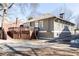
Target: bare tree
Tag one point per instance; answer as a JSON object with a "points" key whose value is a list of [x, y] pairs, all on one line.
{"points": [[68, 14], [77, 21], [1, 8], [64, 9], [32, 6], [4, 8], [23, 8]]}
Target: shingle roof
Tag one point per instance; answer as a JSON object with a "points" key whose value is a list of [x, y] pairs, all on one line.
{"points": [[47, 16]]}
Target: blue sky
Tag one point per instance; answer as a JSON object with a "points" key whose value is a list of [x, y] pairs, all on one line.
{"points": [[53, 8]]}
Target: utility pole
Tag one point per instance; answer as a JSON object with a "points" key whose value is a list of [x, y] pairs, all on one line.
{"points": [[3, 18], [5, 7], [4, 13]]}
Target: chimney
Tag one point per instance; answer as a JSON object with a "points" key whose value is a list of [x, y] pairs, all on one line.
{"points": [[16, 22], [61, 15]]}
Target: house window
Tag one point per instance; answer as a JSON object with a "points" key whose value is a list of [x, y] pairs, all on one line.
{"points": [[30, 23], [40, 24], [36, 24]]}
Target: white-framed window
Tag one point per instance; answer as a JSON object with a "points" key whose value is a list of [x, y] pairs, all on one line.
{"points": [[36, 24], [40, 24]]}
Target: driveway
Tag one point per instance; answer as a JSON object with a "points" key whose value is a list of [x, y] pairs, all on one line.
{"points": [[32, 47]]}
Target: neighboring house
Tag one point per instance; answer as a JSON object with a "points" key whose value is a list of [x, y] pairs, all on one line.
{"points": [[7, 24], [16, 23], [50, 26]]}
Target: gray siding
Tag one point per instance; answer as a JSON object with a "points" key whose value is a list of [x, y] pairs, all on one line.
{"points": [[32, 24], [46, 34], [48, 26]]}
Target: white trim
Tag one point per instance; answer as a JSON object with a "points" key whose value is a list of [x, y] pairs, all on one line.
{"points": [[46, 38], [61, 31], [55, 31], [42, 31]]}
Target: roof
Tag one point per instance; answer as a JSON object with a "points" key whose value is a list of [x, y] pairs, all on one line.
{"points": [[65, 20], [47, 16], [40, 17]]}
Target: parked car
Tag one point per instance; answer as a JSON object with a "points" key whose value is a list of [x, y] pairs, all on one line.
{"points": [[75, 43]]}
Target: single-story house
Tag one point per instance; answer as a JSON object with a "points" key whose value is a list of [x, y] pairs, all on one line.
{"points": [[50, 26]]}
